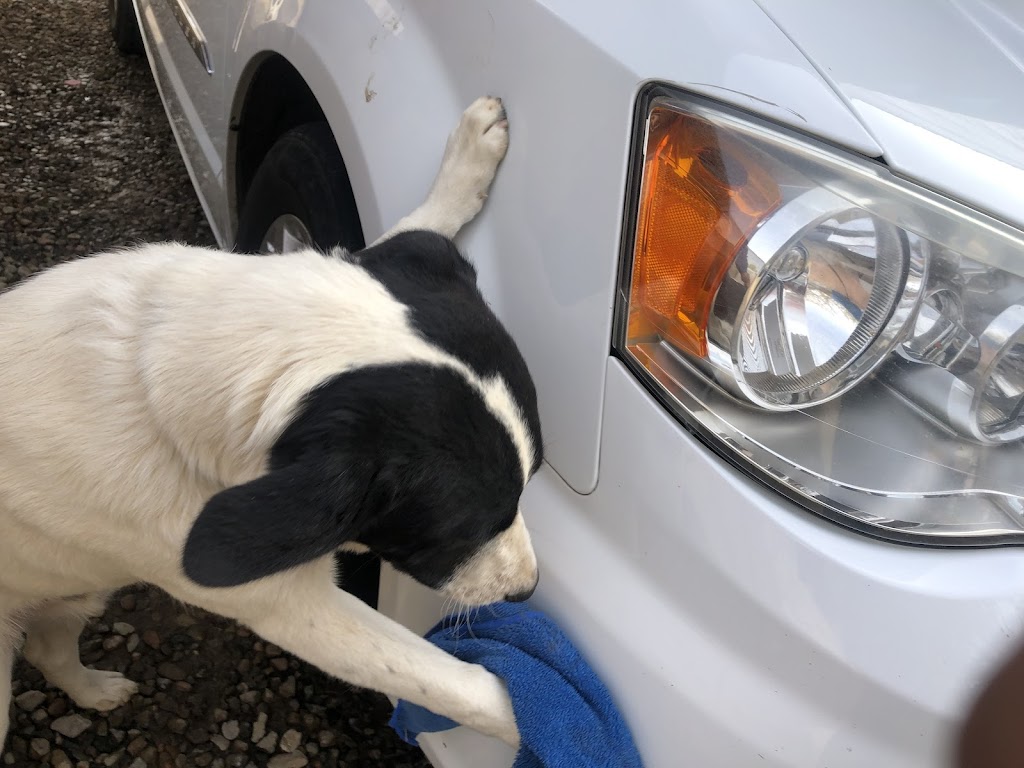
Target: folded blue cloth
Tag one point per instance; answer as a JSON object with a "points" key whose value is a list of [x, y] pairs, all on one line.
{"points": [[565, 715]]}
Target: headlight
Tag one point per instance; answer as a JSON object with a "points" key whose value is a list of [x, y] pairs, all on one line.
{"points": [[851, 338]]}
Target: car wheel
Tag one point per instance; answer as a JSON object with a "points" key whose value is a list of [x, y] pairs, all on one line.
{"points": [[124, 27], [300, 197]]}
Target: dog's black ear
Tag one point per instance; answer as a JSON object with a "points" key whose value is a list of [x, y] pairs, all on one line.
{"points": [[285, 518]]}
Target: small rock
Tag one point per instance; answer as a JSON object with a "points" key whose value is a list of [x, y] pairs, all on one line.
{"points": [[72, 726], [39, 748], [136, 745], [293, 760], [151, 638], [290, 740], [326, 738], [230, 730], [123, 628], [259, 728], [59, 760], [112, 642], [128, 602], [29, 700], [177, 725], [220, 742], [287, 688], [268, 742], [132, 643], [272, 650], [250, 697], [170, 670], [280, 663], [138, 762]]}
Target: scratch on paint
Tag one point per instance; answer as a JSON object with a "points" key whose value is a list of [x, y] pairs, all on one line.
{"points": [[387, 16], [369, 93]]}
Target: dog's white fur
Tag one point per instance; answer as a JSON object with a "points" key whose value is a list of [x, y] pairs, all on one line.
{"points": [[105, 461]]}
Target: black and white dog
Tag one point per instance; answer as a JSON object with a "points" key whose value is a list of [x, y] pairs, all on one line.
{"points": [[219, 425]]}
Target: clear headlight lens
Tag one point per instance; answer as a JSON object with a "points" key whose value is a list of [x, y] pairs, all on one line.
{"points": [[852, 338]]}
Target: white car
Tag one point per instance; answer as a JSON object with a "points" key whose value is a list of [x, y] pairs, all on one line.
{"points": [[765, 261]]}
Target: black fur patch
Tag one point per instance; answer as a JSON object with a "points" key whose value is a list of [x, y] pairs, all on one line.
{"points": [[406, 459], [426, 272]]}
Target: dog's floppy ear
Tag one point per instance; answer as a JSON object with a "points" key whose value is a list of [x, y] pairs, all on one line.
{"points": [[287, 517]]}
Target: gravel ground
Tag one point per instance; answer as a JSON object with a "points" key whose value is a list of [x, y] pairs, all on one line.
{"points": [[87, 162]]}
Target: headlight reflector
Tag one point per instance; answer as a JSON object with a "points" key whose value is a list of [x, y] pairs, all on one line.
{"points": [[831, 289], [851, 338]]}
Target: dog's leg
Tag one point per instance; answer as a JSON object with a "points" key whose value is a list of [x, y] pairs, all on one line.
{"points": [[51, 646], [337, 632], [474, 149], [8, 639]]}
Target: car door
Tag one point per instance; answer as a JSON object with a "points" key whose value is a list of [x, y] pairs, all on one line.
{"points": [[186, 43]]}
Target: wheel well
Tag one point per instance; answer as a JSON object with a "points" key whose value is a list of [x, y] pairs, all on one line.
{"points": [[276, 100]]}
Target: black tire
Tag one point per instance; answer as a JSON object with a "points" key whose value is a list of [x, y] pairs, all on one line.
{"points": [[302, 175], [124, 27]]}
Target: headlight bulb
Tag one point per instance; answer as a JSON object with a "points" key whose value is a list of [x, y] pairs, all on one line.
{"points": [[829, 291]]}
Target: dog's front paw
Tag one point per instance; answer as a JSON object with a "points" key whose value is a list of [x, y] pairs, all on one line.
{"points": [[103, 691], [475, 147], [483, 129]]}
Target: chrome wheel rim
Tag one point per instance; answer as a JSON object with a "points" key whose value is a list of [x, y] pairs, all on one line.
{"points": [[286, 234]]}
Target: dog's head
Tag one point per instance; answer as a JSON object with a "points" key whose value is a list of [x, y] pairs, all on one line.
{"points": [[422, 464]]}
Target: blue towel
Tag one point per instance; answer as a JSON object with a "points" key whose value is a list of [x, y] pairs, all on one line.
{"points": [[565, 715]]}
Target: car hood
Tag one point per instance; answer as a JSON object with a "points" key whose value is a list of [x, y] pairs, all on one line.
{"points": [[937, 83]]}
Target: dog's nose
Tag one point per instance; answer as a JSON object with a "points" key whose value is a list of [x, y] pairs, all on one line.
{"points": [[521, 597]]}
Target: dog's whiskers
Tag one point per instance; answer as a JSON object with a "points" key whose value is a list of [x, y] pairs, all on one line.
{"points": [[474, 613]]}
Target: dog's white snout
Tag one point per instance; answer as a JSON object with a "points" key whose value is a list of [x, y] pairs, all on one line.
{"points": [[504, 568]]}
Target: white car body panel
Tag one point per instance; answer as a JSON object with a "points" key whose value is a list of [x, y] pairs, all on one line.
{"points": [[733, 628]]}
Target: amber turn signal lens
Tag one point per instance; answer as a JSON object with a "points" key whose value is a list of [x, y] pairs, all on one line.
{"points": [[702, 194]]}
